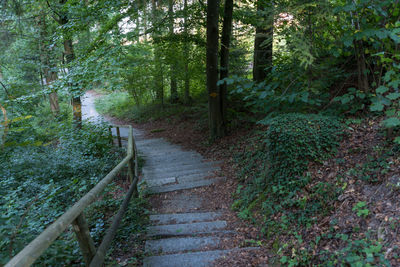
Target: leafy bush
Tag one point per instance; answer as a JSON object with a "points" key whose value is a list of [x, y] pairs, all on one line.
{"points": [[293, 140], [276, 170], [38, 183]]}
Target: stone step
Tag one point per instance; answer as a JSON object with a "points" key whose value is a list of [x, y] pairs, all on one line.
{"points": [[161, 150], [179, 218], [181, 203], [170, 157], [187, 229], [191, 259], [181, 244], [189, 177], [150, 176], [159, 173], [176, 165], [182, 186], [196, 178], [161, 182]]}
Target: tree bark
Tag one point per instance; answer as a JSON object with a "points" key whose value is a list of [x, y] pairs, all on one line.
{"points": [[186, 53], [50, 75], [173, 84], [262, 61], [225, 44], [215, 116], [69, 57], [76, 99], [158, 69], [145, 19], [361, 66]]}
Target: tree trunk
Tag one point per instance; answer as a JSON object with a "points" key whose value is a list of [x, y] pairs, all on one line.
{"points": [[145, 19], [76, 99], [50, 77], [70, 56], [215, 116], [361, 66], [225, 44], [173, 84], [186, 53], [48, 66], [262, 62], [360, 57], [158, 70]]}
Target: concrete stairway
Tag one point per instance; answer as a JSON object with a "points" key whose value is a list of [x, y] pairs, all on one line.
{"points": [[180, 234], [183, 233]]}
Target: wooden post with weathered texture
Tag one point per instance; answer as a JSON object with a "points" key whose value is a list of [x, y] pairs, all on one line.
{"points": [[119, 137], [131, 171], [110, 134], [86, 243]]}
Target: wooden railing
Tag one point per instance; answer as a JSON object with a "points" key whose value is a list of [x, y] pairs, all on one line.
{"points": [[93, 257]]}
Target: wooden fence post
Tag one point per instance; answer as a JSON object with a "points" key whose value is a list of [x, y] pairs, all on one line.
{"points": [[110, 134], [119, 137], [86, 243], [130, 170]]}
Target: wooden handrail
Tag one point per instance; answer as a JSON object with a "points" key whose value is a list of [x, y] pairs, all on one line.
{"points": [[74, 215]]}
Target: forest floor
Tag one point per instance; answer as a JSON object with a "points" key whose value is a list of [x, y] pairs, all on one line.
{"points": [[362, 167]]}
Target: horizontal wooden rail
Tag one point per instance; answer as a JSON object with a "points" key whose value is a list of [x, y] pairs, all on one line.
{"points": [[74, 215]]}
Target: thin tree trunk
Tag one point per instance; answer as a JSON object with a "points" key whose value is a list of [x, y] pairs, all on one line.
{"points": [[360, 56], [173, 84], [158, 72], [70, 56], [225, 44], [50, 77], [76, 99], [48, 70], [186, 53], [145, 19], [361, 66], [215, 116], [262, 62]]}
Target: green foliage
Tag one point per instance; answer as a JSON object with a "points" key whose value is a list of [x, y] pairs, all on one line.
{"points": [[353, 101], [116, 104], [40, 182], [359, 252], [361, 209], [121, 105], [286, 89], [276, 175]]}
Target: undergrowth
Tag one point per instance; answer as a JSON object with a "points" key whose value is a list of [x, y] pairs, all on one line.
{"points": [[43, 173], [275, 183]]}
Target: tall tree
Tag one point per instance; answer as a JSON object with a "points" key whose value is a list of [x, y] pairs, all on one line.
{"points": [[49, 67], [173, 84], [224, 62], [158, 68], [262, 61], [216, 124], [69, 55], [186, 53]]}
